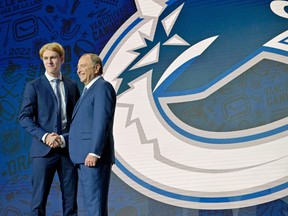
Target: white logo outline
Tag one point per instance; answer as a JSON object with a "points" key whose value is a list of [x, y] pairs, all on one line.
{"points": [[125, 114]]}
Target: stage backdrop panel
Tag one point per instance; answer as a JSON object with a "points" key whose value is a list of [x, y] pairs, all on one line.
{"points": [[202, 101]]}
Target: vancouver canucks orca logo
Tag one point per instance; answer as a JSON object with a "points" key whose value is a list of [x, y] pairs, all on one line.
{"points": [[201, 118]]}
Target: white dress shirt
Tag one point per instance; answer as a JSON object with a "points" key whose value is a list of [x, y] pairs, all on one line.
{"points": [[63, 104]]}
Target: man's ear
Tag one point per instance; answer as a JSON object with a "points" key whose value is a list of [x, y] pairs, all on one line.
{"points": [[97, 68]]}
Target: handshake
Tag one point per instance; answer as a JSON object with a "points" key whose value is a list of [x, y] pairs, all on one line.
{"points": [[53, 140]]}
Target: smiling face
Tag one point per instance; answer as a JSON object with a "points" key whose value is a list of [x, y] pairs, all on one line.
{"points": [[52, 62], [86, 69]]}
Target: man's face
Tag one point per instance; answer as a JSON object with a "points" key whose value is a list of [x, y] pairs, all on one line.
{"points": [[86, 69], [52, 62]]}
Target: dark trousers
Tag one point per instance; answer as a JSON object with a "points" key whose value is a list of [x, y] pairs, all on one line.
{"points": [[95, 183], [43, 171]]}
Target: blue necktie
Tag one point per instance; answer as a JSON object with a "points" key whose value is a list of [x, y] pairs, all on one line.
{"points": [[84, 91], [59, 105]]}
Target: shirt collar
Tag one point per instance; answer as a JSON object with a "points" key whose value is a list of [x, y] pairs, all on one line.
{"points": [[92, 81], [50, 78]]}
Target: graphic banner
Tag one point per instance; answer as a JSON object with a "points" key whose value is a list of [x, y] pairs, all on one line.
{"points": [[202, 101]]}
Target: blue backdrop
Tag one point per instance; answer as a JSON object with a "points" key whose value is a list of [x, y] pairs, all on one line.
{"points": [[240, 30]]}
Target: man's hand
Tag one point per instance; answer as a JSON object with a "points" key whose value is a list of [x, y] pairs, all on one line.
{"points": [[53, 140], [91, 161]]}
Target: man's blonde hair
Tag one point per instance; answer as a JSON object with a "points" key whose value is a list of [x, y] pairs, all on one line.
{"points": [[54, 46]]}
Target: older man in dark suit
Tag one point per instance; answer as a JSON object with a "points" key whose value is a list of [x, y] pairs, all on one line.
{"points": [[91, 143]]}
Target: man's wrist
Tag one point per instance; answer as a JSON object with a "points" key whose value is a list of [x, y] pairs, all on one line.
{"points": [[63, 143], [95, 155], [44, 137]]}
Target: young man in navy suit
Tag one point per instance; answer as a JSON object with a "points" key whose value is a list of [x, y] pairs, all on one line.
{"points": [[91, 144], [46, 113]]}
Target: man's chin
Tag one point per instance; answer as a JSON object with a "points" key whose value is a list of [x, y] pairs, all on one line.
{"points": [[51, 72], [82, 80]]}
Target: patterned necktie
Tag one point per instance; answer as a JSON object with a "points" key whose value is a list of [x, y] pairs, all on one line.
{"points": [[59, 105]]}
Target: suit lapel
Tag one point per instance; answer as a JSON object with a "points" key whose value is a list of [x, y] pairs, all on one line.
{"points": [[47, 85], [65, 88], [76, 108], [80, 101], [84, 96]]}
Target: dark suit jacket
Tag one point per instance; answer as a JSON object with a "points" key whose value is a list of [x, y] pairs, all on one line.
{"points": [[38, 114], [91, 129]]}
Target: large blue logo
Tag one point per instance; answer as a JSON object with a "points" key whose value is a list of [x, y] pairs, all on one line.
{"points": [[201, 119]]}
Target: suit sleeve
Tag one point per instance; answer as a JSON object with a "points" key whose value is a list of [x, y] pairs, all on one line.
{"points": [[28, 112], [104, 108], [74, 95]]}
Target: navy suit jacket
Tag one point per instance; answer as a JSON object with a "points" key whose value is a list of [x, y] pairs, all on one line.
{"points": [[38, 114], [91, 129]]}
